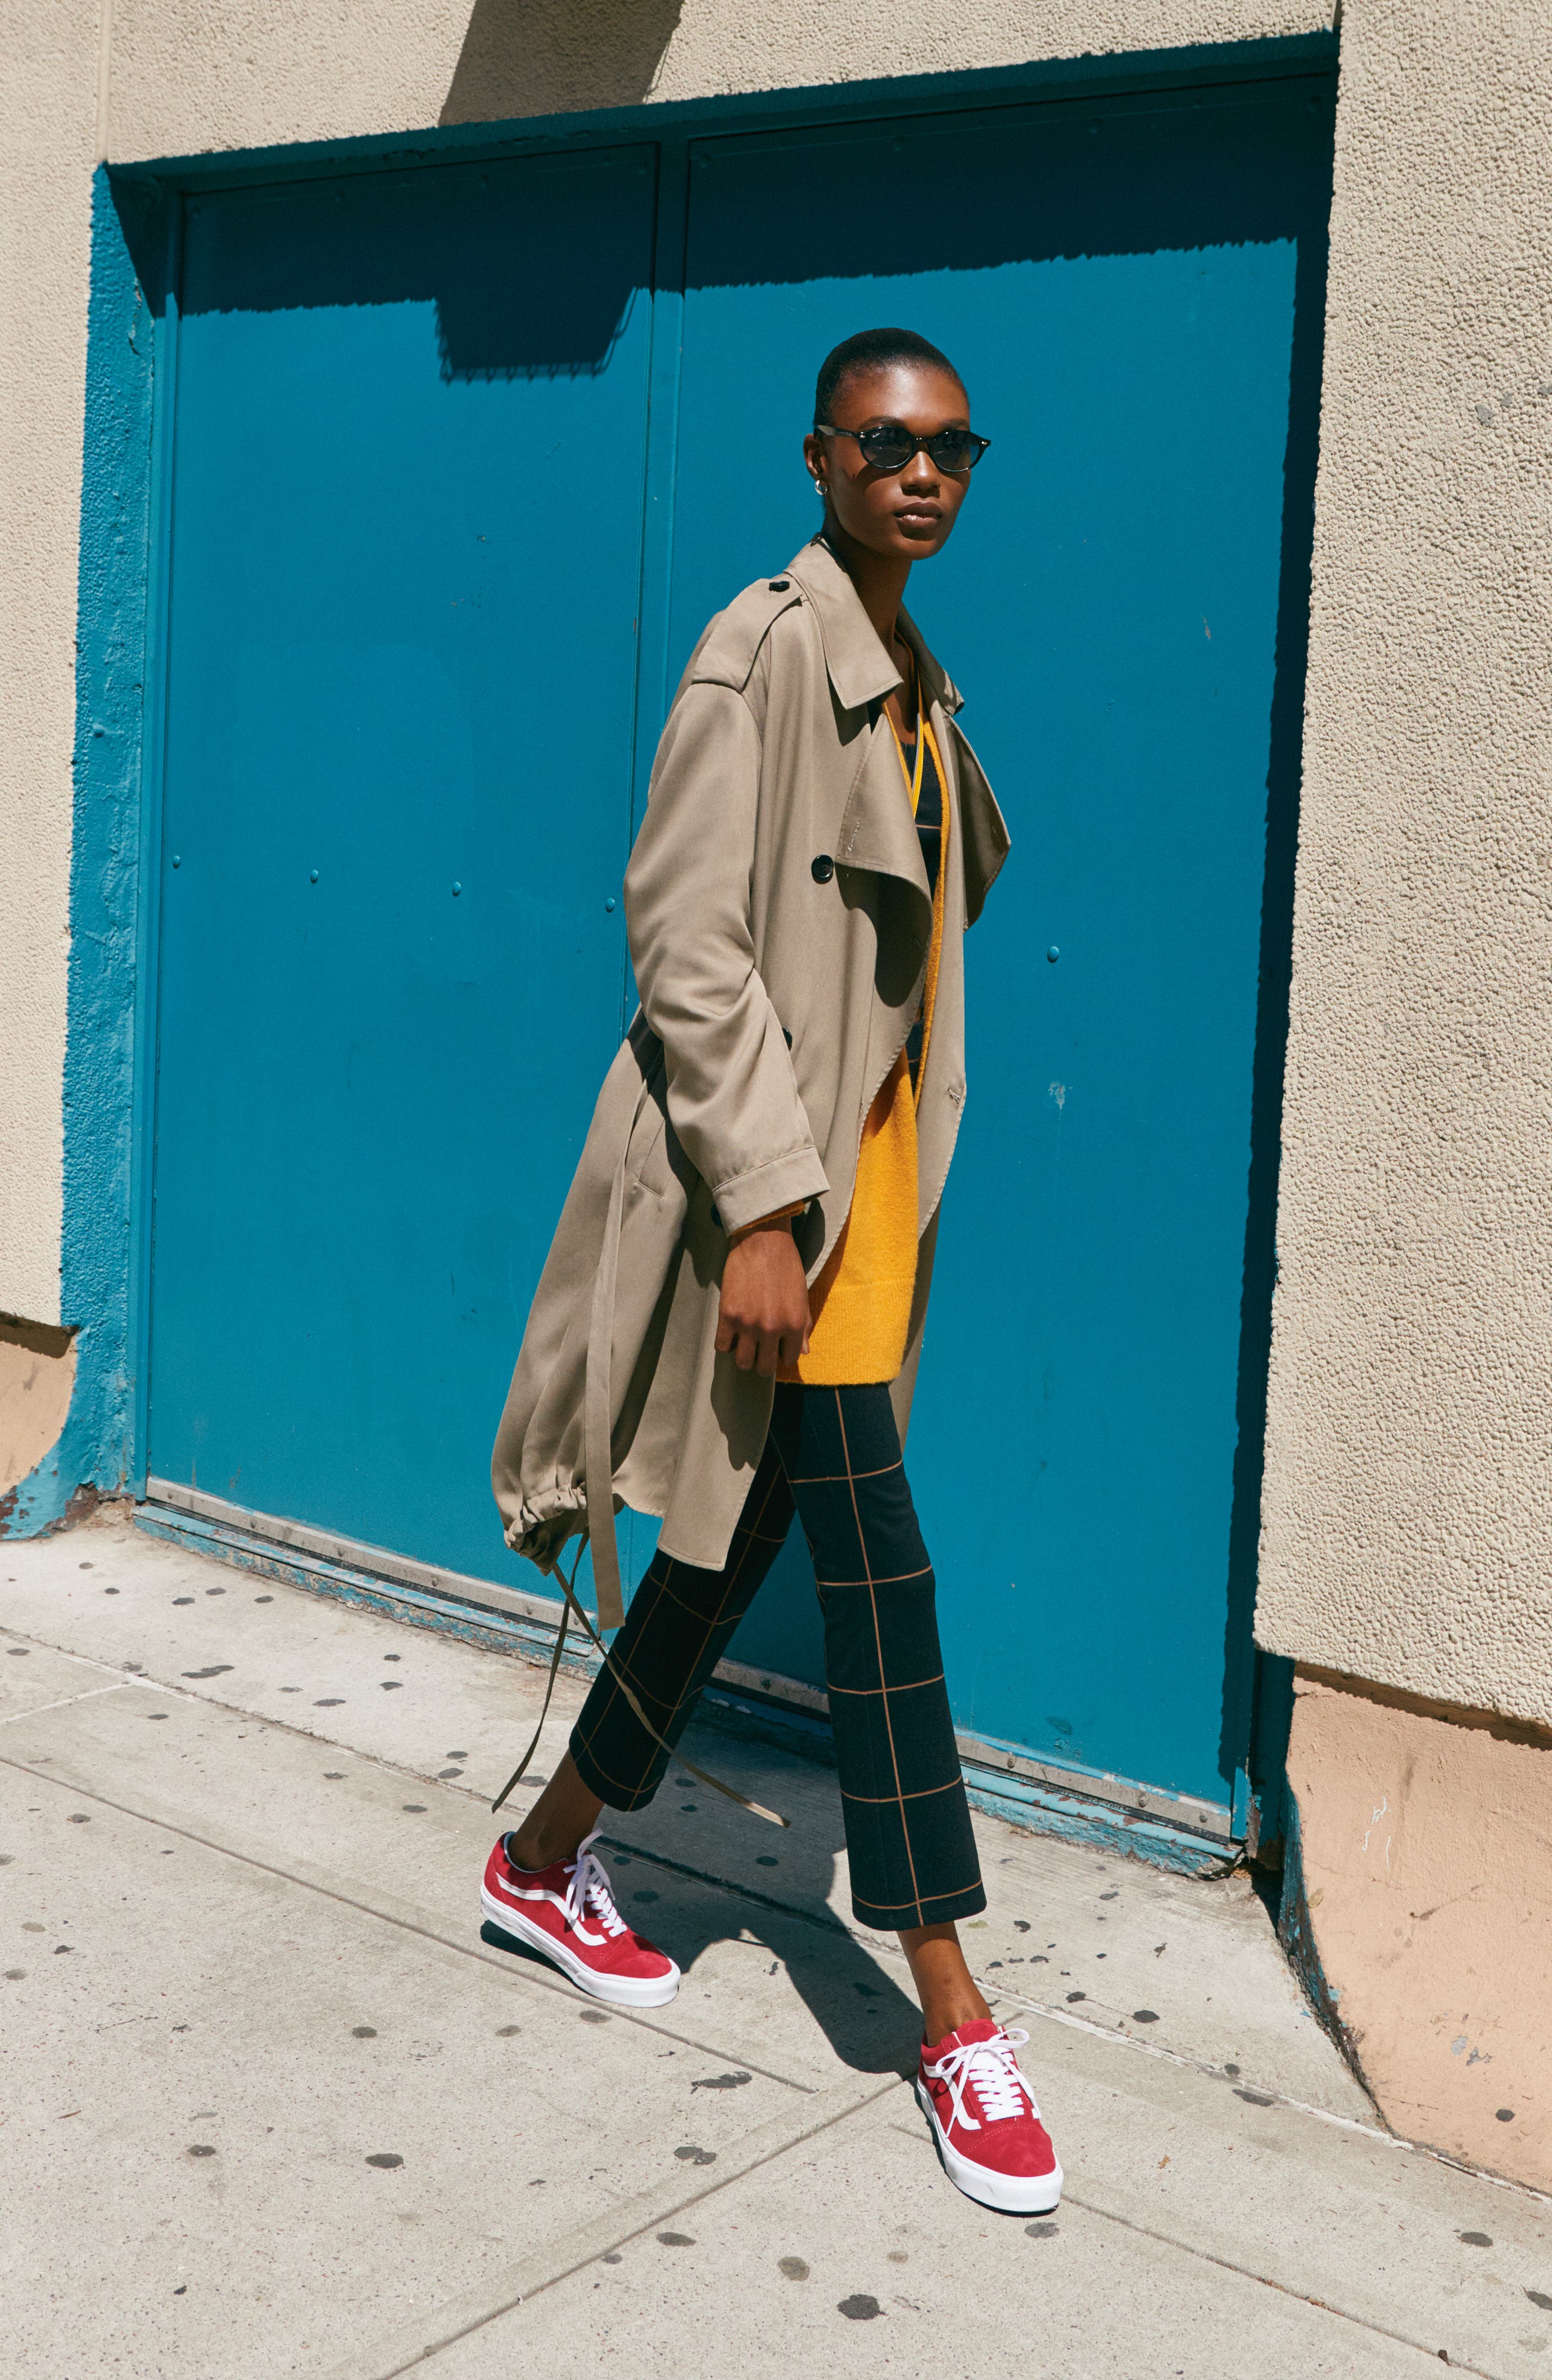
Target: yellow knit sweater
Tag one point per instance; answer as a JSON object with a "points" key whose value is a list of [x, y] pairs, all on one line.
{"points": [[860, 1305]]}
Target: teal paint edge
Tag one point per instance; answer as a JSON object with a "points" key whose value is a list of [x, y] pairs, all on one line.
{"points": [[1270, 1797], [1296, 1933], [169, 233], [495, 1632], [1095, 1826], [1036, 1809], [94, 1452], [1077, 1771]]}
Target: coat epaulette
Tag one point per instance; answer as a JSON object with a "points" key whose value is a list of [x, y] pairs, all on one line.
{"points": [[736, 635]]}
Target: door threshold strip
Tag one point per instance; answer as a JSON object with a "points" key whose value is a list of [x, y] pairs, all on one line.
{"points": [[1111, 1813]]}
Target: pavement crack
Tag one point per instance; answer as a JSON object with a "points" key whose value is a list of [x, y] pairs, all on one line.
{"points": [[64, 1701]]}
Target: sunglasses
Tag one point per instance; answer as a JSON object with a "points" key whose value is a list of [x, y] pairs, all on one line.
{"points": [[889, 445]]}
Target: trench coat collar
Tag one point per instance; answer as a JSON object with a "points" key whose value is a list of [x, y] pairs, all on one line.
{"points": [[860, 670]]}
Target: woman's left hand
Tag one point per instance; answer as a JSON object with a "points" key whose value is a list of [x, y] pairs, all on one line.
{"points": [[763, 1323]]}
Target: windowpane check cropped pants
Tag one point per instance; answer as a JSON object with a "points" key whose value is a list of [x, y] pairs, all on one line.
{"points": [[834, 1454]]}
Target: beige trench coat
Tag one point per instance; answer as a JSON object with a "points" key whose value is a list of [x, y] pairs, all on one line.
{"points": [[779, 920]]}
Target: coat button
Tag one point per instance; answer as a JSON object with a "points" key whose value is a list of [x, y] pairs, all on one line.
{"points": [[779, 586], [822, 869]]}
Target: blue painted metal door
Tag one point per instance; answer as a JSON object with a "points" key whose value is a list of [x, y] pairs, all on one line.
{"points": [[427, 490], [407, 509]]}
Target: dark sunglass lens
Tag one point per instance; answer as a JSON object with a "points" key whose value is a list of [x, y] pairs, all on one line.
{"points": [[887, 449], [955, 450]]}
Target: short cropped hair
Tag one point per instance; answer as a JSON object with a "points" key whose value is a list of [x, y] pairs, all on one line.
{"points": [[865, 350]]}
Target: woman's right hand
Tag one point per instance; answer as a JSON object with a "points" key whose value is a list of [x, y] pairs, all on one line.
{"points": [[763, 1323]]}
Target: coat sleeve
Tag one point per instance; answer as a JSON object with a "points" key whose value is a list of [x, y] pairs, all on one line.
{"points": [[733, 1098]]}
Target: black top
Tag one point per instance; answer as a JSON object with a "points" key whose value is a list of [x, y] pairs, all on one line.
{"points": [[929, 815], [929, 835]]}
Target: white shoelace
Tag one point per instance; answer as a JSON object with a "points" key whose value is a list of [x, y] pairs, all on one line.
{"points": [[589, 1892], [991, 2069]]}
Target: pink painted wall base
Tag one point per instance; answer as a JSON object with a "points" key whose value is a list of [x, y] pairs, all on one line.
{"points": [[1425, 1837]]}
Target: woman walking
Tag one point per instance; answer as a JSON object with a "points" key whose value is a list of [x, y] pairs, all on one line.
{"points": [[728, 1324]]}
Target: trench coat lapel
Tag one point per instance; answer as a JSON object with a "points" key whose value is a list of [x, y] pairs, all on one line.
{"points": [[877, 830]]}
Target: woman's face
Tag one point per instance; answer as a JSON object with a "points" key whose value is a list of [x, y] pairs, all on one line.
{"points": [[908, 514]]}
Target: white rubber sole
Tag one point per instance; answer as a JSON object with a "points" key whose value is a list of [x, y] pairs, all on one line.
{"points": [[619, 1991], [1010, 2193]]}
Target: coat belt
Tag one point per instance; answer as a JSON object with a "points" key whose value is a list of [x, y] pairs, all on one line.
{"points": [[597, 1402]]}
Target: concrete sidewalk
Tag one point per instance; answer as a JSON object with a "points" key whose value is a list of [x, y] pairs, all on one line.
{"points": [[272, 2107]]}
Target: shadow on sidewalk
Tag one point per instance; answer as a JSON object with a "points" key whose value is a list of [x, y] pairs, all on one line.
{"points": [[870, 2024]]}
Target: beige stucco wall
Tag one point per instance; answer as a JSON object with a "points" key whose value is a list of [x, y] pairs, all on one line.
{"points": [[186, 75], [1408, 1507], [49, 79], [1428, 1887]]}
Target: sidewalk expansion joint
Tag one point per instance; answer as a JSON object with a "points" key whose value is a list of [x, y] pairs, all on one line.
{"points": [[420, 2342], [883, 1948], [823, 1921], [519, 1971], [1265, 2092], [1285, 2288]]}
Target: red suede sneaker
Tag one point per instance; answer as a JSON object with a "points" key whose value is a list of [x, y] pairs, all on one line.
{"points": [[567, 1912], [985, 2121]]}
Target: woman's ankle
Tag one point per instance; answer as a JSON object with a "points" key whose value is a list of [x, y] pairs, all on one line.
{"points": [[940, 2017], [560, 1821], [530, 1849], [948, 1992]]}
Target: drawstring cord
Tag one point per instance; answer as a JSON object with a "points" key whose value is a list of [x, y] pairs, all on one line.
{"points": [[573, 1609]]}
